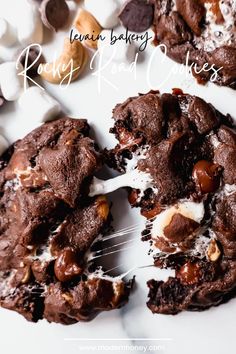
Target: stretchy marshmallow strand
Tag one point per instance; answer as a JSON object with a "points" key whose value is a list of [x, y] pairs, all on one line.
{"points": [[39, 105], [105, 11], [7, 33], [3, 145], [11, 83], [30, 28]]}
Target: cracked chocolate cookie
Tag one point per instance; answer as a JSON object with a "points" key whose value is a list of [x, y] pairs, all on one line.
{"points": [[204, 29], [49, 224], [179, 157]]}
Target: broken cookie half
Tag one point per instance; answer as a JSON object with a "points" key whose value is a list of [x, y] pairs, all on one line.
{"points": [[49, 224], [177, 153]]}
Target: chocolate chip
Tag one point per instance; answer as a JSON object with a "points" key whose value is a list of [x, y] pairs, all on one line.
{"points": [[179, 228], [137, 15], [151, 213], [66, 266], [206, 176], [32, 56], [54, 13], [189, 273]]}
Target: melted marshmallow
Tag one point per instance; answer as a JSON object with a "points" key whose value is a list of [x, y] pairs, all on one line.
{"points": [[229, 189], [216, 35], [191, 210], [134, 179], [5, 283]]}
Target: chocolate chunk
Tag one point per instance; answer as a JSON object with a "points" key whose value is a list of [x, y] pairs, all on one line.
{"points": [[189, 273], [66, 266], [32, 61], [54, 13], [206, 176], [192, 12], [77, 230], [137, 15], [173, 29], [180, 228]]}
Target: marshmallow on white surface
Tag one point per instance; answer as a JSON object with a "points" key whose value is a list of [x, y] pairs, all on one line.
{"points": [[3, 144], [7, 33], [30, 28], [120, 51], [105, 11], [39, 105], [11, 83]]}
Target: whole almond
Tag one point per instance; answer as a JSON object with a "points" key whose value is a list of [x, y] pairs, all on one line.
{"points": [[213, 251]]}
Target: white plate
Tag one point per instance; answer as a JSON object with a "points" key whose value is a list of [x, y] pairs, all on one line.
{"points": [[211, 331]]}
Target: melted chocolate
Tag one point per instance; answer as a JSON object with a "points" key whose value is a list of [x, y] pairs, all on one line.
{"points": [[189, 273], [206, 176], [66, 266]]}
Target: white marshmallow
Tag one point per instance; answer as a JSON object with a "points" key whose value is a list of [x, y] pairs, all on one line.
{"points": [[191, 210], [39, 105], [134, 179], [120, 51], [11, 83], [105, 11], [30, 28], [3, 144], [7, 33]]}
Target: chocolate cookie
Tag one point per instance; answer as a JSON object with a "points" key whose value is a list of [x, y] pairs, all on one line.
{"points": [[178, 154], [48, 225], [204, 29]]}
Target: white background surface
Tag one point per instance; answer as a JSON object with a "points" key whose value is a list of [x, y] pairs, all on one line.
{"points": [[212, 331]]}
